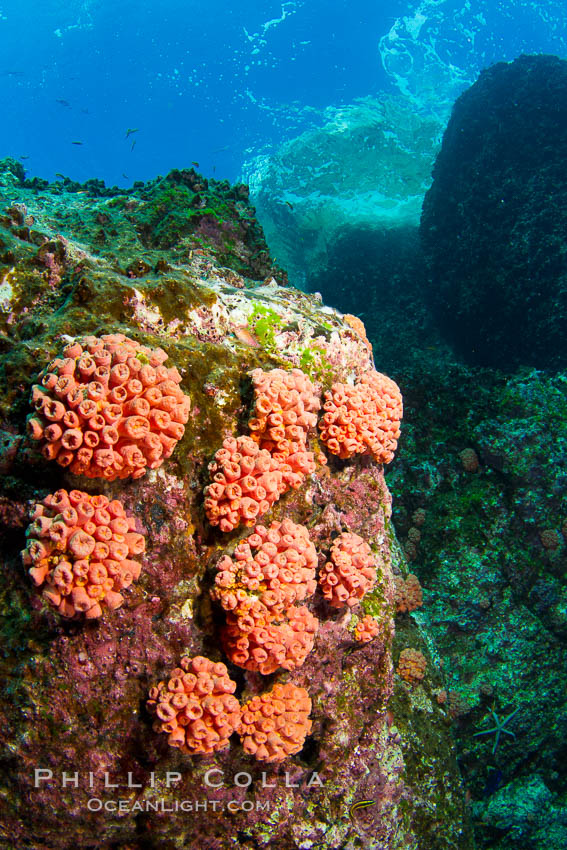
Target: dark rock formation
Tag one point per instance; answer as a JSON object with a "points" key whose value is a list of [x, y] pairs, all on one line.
{"points": [[494, 221]]}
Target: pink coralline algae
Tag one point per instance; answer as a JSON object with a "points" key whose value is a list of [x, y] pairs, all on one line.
{"points": [[285, 409], [276, 564], [350, 573], [196, 707], [246, 482], [109, 408], [275, 724], [79, 551], [366, 629], [364, 418], [257, 638]]}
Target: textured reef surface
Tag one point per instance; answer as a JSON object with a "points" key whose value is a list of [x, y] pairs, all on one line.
{"points": [[180, 266]]}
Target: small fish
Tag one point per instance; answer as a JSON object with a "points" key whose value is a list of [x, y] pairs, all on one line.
{"points": [[131, 130], [360, 804], [289, 205], [214, 168], [243, 334], [125, 176], [63, 102], [26, 156], [133, 145], [77, 143], [218, 150], [196, 164]]}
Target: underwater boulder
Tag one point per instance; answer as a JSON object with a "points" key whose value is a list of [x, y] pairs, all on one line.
{"points": [[89, 690], [494, 220]]}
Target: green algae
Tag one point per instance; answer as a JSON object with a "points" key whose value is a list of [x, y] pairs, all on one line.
{"points": [[313, 361], [264, 323]]}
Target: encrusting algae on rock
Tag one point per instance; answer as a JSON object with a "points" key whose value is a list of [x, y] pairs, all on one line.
{"points": [[143, 277]]}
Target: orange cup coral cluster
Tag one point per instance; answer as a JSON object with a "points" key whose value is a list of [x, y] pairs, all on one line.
{"points": [[79, 551], [350, 573], [247, 481], [412, 666], [277, 564], [109, 408], [364, 418], [196, 707], [257, 588], [274, 725], [409, 594], [258, 638], [249, 474], [366, 629], [285, 409]]}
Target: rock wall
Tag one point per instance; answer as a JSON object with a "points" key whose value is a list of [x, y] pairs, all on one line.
{"points": [[181, 265]]}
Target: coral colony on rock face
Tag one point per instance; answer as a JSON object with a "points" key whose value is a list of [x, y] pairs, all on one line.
{"points": [[80, 549], [196, 706], [258, 638], [364, 418], [350, 573], [409, 595], [366, 629], [412, 666], [251, 473], [277, 563], [274, 725], [109, 408], [247, 481]]}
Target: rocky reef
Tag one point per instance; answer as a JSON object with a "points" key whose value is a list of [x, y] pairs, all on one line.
{"points": [[180, 266]]}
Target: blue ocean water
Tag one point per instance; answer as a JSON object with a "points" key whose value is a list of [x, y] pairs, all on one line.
{"points": [[221, 84]]}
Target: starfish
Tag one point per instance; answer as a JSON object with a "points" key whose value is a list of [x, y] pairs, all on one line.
{"points": [[498, 728]]}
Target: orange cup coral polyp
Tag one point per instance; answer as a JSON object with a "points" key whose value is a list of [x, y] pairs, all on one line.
{"points": [[79, 550], [196, 707], [275, 724], [364, 418], [108, 408]]}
